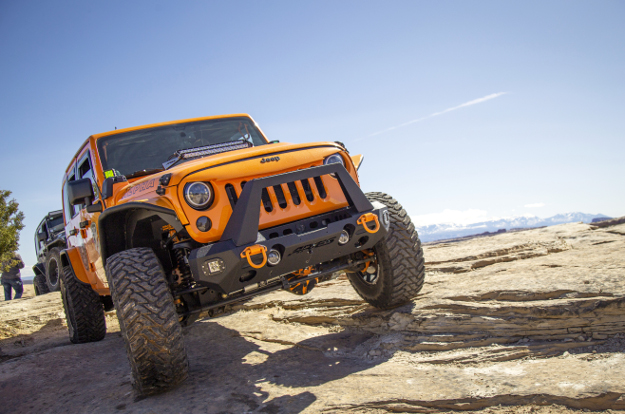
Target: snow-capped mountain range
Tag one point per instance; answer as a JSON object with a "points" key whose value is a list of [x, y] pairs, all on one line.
{"points": [[450, 230]]}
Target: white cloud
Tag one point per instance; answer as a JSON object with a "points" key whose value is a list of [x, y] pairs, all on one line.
{"points": [[453, 108], [451, 216], [535, 205]]}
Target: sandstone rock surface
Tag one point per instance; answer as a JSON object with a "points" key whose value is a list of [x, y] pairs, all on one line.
{"points": [[530, 321]]}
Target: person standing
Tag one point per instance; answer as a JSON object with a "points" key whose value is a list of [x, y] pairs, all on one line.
{"points": [[11, 279]]}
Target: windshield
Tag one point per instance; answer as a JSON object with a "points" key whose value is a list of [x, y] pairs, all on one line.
{"points": [[56, 224], [148, 149]]}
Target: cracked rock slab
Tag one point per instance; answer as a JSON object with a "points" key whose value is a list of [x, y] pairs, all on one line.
{"points": [[533, 321]]}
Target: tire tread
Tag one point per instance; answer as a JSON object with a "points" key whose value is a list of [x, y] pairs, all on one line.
{"points": [[41, 288], [148, 320], [83, 309], [402, 259]]}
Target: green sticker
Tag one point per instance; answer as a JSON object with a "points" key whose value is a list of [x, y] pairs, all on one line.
{"points": [[109, 174]]}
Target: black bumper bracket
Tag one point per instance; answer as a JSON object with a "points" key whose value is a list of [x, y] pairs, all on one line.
{"points": [[242, 228], [219, 265]]}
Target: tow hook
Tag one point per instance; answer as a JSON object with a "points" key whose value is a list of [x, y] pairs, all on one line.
{"points": [[253, 251], [365, 218]]}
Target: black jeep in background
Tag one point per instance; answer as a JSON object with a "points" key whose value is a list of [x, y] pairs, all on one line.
{"points": [[50, 239]]}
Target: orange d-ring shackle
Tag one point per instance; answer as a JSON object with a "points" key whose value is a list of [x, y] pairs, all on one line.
{"points": [[253, 251], [365, 218]]}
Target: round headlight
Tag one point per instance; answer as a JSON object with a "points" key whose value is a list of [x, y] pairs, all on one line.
{"points": [[198, 195], [334, 158]]}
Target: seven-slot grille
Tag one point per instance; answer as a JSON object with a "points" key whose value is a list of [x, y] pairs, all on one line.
{"points": [[278, 193]]}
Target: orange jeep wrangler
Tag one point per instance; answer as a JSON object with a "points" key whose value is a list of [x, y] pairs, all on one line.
{"points": [[168, 221]]}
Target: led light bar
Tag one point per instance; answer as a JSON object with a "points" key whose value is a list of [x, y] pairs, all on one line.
{"points": [[190, 153]]}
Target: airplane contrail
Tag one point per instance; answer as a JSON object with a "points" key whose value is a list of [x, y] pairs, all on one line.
{"points": [[453, 108]]}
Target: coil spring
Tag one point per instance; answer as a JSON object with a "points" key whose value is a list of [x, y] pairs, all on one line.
{"points": [[183, 267]]}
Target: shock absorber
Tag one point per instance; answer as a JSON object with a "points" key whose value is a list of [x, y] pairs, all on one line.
{"points": [[183, 267]]}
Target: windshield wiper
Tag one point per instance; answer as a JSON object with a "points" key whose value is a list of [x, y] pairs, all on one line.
{"points": [[141, 173], [190, 153]]}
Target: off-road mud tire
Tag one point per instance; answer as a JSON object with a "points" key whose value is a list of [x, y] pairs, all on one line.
{"points": [[148, 320], [39, 283], [83, 309], [54, 269], [401, 268]]}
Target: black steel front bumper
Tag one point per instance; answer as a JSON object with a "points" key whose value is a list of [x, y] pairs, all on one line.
{"points": [[301, 243]]}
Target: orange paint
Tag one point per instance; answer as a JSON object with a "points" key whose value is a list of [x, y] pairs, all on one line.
{"points": [[228, 168]]}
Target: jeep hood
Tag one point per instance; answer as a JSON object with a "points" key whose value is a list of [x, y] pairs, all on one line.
{"points": [[185, 168]]}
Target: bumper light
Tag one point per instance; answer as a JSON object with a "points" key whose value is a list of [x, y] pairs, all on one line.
{"points": [[204, 224], [273, 257], [344, 237], [213, 267]]}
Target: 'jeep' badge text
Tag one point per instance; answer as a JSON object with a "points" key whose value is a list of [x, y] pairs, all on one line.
{"points": [[264, 160]]}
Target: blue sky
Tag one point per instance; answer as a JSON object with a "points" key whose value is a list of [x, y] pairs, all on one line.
{"points": [[527, 98]]}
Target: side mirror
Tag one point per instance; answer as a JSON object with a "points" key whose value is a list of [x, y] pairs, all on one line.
{"points": [[80, 192], [42, 236]]}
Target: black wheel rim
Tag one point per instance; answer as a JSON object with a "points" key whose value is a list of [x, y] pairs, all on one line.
{"points": [[53, 272], [370, 275]]}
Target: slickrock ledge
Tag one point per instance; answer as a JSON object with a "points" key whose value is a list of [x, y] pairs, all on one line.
{"points": [[525, 319]]}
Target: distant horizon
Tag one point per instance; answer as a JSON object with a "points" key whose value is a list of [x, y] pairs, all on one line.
{"points": [[421, 221], [443, 231]]}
